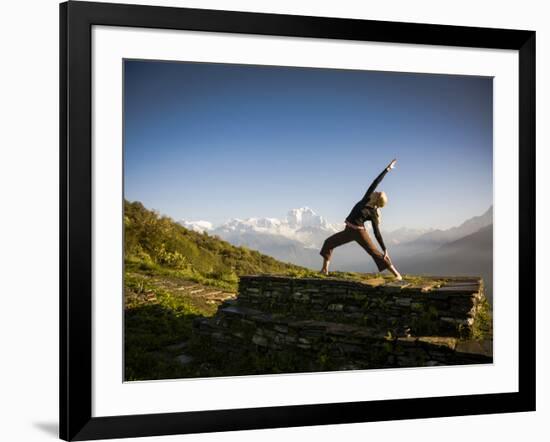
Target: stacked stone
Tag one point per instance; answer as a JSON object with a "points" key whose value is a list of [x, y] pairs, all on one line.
{"points": [[376, 324], [438, 307]]}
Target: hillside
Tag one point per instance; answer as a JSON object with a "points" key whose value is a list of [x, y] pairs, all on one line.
{"points": [[157, 244]]}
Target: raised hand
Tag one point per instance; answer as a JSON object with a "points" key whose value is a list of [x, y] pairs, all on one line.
{"points": [[392, 164]]}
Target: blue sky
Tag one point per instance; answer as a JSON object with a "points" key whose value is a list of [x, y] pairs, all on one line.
{"points": [[213, 141]]}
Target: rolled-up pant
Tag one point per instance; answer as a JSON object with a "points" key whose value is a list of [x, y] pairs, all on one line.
{"points": [[362, 238]]}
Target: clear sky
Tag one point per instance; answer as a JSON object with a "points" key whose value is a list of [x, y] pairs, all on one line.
{"points": [[213, 141]]}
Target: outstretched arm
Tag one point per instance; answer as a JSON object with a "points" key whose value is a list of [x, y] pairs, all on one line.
{"points": [[378, 179], [376, 230]]}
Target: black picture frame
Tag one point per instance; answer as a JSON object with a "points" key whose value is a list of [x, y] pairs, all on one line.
{"points": [[76, 21]]}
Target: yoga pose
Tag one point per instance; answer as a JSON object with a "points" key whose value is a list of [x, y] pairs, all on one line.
{"points": [[368, 209]]}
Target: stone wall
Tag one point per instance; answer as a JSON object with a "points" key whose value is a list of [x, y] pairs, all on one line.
{"points": [[356, 324]]}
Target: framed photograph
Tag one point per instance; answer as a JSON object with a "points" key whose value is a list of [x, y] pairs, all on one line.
{"points": [[273, 220]]}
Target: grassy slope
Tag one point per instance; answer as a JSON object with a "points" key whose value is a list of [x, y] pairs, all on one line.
{"points": [[156, 243]]}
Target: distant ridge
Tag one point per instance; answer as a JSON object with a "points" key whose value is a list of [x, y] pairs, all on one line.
{"points": [[468, 227], [469, 255]]}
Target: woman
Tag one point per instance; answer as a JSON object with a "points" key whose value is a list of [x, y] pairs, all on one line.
{"points": [[368, 209]]}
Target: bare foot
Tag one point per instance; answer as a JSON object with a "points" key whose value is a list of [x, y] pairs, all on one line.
{"points": [[397, 275], [324, 269]]}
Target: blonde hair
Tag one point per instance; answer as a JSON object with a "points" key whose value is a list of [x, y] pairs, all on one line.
{"points": [[379, 199]]}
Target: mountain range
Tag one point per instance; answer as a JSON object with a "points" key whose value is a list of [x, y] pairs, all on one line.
{"points": [[302, 226], [468, 227], [469, 255], [462, 249]]}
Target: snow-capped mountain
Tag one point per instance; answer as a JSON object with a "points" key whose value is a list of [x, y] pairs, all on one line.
{"points": [[197, 226], [305, 217], [302, 225], [297, 238]]}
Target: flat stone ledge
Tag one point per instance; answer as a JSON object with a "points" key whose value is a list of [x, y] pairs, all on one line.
{"points": [[416, 322], [438, 285]]}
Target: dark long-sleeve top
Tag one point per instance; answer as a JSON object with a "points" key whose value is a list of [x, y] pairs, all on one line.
{"points": [[361, 212]]}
